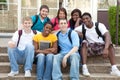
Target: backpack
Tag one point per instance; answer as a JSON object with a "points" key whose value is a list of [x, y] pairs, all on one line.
{"points": [[35, 21], [20, 33], [97, 30], [69, 37]]}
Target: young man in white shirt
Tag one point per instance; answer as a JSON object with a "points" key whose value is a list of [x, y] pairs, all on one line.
{"points": [[21, 51], [94, 44]]}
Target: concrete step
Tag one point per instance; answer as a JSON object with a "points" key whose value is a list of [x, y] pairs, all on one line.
{"points": [[3, 46], [93, 76], [94, 59], [93, 68]]}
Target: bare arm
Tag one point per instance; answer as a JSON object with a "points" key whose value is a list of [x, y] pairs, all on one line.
{"points": [[107, 44], [107, 40], [72, 51], [53, 49], [77, 22]]}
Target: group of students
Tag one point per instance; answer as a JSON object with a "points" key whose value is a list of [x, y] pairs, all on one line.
{"points": [[65, 44]]}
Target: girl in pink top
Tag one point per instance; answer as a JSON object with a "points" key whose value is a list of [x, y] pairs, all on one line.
{"points": [[62, 13]]}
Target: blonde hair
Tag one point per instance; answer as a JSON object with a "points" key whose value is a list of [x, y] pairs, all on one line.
{"points": [[27, 18]]}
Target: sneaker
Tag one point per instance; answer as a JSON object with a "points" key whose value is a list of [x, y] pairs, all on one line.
{"points": [[13, 73], [115, 72], [27, 73], [85, 72]]}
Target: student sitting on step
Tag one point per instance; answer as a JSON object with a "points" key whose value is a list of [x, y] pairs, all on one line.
{"points": [[68, 52], [45, 47], [96, 41], [21, 49]]}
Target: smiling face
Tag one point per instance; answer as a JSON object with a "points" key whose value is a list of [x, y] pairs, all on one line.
{"points": [[47, 29], [43, 13], [27, 23], [63, 25], [61, 15], [87, 20], [75, 16]]}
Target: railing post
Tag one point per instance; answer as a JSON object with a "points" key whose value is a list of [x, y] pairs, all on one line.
{"points": [[38, 6], [19, 14], [117, 22]]}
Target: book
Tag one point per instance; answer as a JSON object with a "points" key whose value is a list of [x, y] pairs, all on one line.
{"points": [[44, 45]]}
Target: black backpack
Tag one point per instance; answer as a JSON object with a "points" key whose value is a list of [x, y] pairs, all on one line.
{"points": [[69, 36], [36, 20], [97, 30], [37, 16]]}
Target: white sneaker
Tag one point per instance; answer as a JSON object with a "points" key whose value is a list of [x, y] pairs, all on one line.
{"points": [[85, 72], [13, 73], [115, 72], [27, 73]]}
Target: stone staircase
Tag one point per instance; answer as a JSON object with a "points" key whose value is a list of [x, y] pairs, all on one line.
{"points": [[98, 66]]}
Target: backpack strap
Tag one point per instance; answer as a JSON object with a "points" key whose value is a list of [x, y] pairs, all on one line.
{"points": [[19, 34], [83, 31], [69, 35], [98, 31], [36, 16], [58, 33], [34, 31]]}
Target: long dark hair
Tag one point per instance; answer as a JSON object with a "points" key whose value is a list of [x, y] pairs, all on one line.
{"points": [[61, 9], [72, 22], [57, 17]]}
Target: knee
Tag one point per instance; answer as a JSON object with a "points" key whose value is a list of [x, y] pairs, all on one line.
{"points": [[30, 46], [11, 49], [75, 56], [40, 56], [49, 57]]}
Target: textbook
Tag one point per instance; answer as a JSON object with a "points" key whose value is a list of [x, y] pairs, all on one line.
{"points": [[44, 45]]}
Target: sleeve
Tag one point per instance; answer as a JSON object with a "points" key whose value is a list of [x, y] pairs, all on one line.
{"points": [[35, 38], [68, 24], [102, 28], [52, 20], [15, 37], [75, 39], [79, 28], [54, 38]]}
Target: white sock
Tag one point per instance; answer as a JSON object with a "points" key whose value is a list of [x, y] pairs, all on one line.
{"points": [[114, 67]]}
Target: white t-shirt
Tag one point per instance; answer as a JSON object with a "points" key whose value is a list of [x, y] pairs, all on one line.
{"points": [[91, 34], [26, 38]]}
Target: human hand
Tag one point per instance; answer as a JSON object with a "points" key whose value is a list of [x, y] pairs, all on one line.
{"points": [[64, 61], [105, 53], [11, 44]]}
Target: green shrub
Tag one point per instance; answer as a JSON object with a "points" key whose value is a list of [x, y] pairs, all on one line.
{"points": [[2, 0], [112, 22]]}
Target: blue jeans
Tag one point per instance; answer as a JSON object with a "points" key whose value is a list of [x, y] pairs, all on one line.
{"points": [[24, 57], [44, 66], [74, 60]]}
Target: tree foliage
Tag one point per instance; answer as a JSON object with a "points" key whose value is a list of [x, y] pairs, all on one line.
{"points": [[112, 22]]}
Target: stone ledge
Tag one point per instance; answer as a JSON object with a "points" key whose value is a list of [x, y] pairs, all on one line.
{"points": [[93, 76]]}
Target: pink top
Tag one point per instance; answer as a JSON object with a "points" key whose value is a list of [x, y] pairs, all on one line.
{"points": [[55, 23]]}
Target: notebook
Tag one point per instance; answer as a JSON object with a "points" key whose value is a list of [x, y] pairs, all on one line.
{"points": [[44, 45]]}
